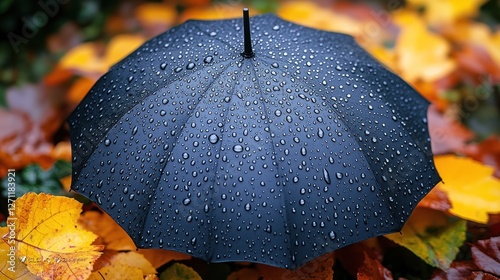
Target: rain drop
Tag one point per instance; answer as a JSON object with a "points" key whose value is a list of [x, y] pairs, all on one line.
{"points": [[339, 175], [237, 148], [163, 66], [208, 59], [177, 69], [321, 133], [248, 207], [331, 235], [213, 138], [326, 176], [190, 66], [186, 201], [107, 142]]}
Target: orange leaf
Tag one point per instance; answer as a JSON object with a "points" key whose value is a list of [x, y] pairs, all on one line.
{"points": [[159, 257], [155, 14], [79, 89], [117, 271], [119, 47], [50, 243], [110, 233], [373, 269], [212, 12]]}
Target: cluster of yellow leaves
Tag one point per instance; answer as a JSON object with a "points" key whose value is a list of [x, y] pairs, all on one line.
{"points": [[46, 240]]}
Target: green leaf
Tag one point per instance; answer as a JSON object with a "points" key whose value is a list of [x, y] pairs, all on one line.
{"points": [[178, 271], [34, 179], [432, 236]]}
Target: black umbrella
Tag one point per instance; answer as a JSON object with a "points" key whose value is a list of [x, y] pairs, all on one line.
{"points": [[277, 154]]}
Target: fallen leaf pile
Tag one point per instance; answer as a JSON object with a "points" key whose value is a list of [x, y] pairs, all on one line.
{"points": [[448, 50]]}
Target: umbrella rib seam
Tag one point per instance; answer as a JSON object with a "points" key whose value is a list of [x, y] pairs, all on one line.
{"points": [[180, 133], [261, 91], [216, 167]]}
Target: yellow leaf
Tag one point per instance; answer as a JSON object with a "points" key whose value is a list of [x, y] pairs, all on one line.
{"points": [[447, 11], [50, 243], [312, 15], [155, 13], [134, 259], [83, 58], [431, 236], [10, 265], [119, 47], [471, 188], [420, 53], [117, 271]]}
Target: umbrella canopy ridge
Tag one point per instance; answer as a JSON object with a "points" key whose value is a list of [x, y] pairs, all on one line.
{"points": [[301, 148]]}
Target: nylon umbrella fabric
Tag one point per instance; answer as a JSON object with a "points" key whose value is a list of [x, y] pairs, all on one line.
{"points": [[305, 147]]}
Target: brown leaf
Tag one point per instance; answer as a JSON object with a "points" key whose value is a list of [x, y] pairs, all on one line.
{"points": [[486, 255], [447, 135], [319, 268], [27, 127], [352, 257], [457, 270], [373, 269]]}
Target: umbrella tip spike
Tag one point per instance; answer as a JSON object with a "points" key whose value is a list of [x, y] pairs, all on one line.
{"points": [[248, 52]]}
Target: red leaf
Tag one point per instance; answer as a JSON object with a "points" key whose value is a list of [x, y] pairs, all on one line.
{"points": [[457, 270], [352, 257], [436, 199], [486, 255], [447, 135], [372, 269]]}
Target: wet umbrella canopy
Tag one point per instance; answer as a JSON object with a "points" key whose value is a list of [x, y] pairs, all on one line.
{"points": [[277, 150]]}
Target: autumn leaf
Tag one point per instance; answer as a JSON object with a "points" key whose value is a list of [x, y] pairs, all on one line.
{"points": [[50, 243], [447, 11], [313, 15], [486, 255], [372, 269], [114, 238], [88, 59], [420, 53], [156, 14], [470, 186], [317, 269], [430, 235], [108, 231], [10, 265], [178, 271], [117, 271], [113, 263]]}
